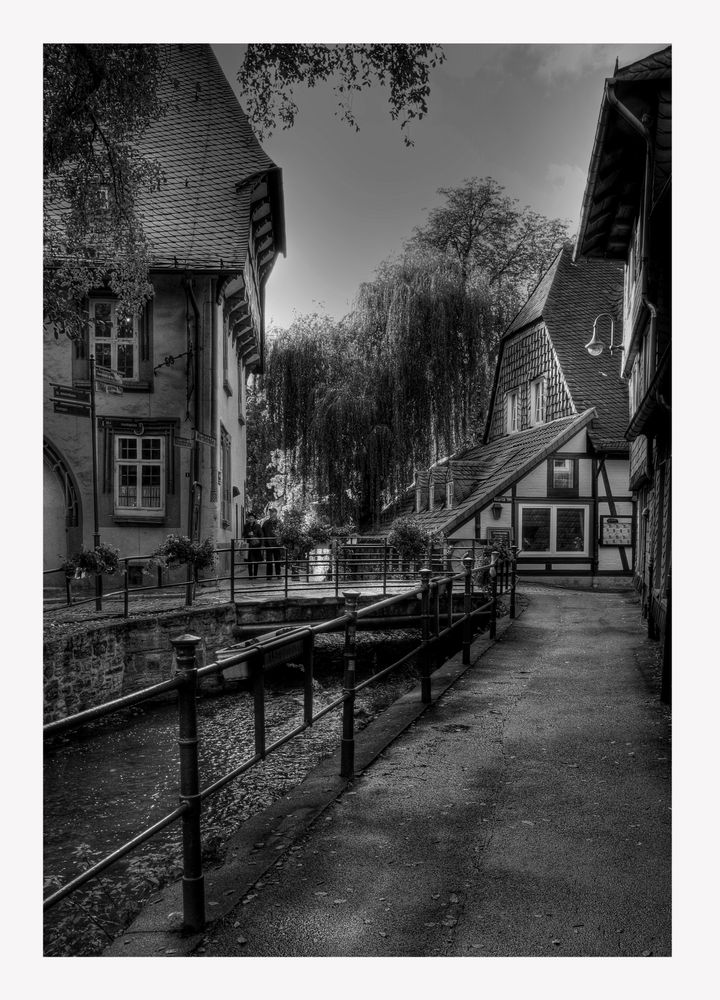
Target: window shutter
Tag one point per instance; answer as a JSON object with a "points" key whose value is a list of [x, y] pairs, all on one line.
{"points": [[81, 356]]}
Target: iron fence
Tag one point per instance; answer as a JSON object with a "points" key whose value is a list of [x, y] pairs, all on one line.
{"points": [[243, 571], [443, 631]]}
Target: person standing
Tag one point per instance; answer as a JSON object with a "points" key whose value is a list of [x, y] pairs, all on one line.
{"points": [[253, 535], [273, 549]]}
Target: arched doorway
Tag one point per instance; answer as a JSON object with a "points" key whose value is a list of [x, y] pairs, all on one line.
{"points": [[61, 509]]}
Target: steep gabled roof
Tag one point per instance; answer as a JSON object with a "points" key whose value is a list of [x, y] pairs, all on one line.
{"points": [[211, 159], [580, 292], [495, 467], [568, 298]]}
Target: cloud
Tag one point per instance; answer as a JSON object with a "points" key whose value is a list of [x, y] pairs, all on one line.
{"points": [[563, 61]]}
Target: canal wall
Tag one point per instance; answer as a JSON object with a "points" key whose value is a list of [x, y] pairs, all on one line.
{"points": [[85, 669]]}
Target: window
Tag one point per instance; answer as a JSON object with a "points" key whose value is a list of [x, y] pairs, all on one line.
{"points": [[418, 500], [563, 477], [512, 411], [553, 530], [537, 401], [139, 475], [113, 338], [431, 495], [449, 494]]}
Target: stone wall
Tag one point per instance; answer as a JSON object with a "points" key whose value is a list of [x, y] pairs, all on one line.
{"points": [[104, 662]]}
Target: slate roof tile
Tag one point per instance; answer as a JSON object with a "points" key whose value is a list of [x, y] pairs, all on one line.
{"points": [[207, 148]]}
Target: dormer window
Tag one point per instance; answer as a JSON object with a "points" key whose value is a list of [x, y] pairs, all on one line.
{"points": [[418, 500], [537, 401], [512, 411], [449, 494], [431, 495]]}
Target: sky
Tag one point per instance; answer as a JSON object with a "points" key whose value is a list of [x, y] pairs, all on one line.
{"points": [[524, 114]]}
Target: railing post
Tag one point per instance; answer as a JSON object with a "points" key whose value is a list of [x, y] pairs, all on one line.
{"points": [[188, 585], [287, 570], [467, 609], [308, 658], [232, 570], [493, 589], [385, 565], [449, 646], [98, 591], [68, 593], [258, 678], [193, 882], [126, 601], [425, 575], [347, 754], [337, 569], [513, 580]]}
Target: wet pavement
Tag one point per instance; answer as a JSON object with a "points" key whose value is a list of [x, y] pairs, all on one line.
{"points": [[526, 812]]}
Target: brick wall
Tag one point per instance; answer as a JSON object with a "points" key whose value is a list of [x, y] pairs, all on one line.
{"points": [[100, 664]]}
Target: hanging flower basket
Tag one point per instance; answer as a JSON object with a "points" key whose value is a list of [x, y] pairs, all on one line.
{"points": [[177, 550], [92, 562]]}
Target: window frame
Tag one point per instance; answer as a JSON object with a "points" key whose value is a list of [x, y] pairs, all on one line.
{"points": [[114, 340], [139, 512], [539, 383], [512, 411], [563, 491], [553, 551]]}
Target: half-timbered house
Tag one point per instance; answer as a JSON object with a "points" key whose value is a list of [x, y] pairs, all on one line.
{"points": [[551, 473], [171, 441]]}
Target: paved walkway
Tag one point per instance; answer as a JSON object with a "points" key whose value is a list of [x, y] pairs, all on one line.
{"points": [[525, 813]]}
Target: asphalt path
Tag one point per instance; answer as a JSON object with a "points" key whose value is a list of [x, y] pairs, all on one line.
{"points": [[527, 812]]}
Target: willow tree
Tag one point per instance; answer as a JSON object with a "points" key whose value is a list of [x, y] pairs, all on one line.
{"points": [[359, 405]]}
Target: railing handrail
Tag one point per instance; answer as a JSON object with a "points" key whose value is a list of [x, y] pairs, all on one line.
{"points": [[185, 682]]}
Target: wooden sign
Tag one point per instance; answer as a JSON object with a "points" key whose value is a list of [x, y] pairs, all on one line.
{"points": [[204, 438], [182, 442], [74, 408], [616, 530], [70, 392]]}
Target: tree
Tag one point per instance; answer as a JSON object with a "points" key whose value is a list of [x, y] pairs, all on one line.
{"points": [[98, 100], [485, 232], [269, 73], [405, 378]]}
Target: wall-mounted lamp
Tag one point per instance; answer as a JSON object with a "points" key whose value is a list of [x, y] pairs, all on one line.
{"points": [[496, 510], [595, 347]]}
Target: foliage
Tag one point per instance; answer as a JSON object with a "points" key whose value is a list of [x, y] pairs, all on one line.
{"points": [[409, 538], [97, 100], [357, 406], [484, 231], [179, 549], [270, 72], [101, 559], [301, 531]]}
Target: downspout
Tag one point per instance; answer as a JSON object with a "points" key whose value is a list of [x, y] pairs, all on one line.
{"points": [[214, 429], [197, 414], [643, 131]]}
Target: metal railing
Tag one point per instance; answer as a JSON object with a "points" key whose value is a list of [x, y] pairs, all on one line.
{"points": [[364, 564], [442, 630]]}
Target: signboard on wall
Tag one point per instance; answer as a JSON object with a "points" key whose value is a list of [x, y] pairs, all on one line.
{"points": [[499, 536], [616, 530]]}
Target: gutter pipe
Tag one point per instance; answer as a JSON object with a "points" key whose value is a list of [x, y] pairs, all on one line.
{"points": [[642, 130]]}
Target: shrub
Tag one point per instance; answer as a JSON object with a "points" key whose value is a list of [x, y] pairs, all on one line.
{"points": [[409, 538]]}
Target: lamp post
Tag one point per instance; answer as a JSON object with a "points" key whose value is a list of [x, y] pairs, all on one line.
{"points": [[595, 346]]}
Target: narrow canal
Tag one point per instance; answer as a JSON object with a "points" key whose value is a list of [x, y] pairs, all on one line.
{"points": [[115, 778]]}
